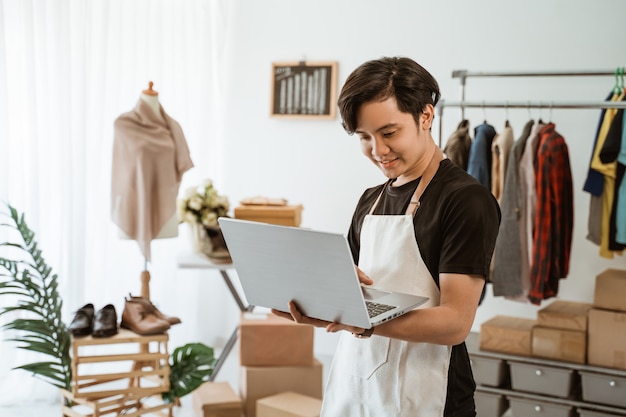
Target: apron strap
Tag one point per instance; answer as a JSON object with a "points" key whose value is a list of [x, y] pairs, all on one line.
{"points": [[428, 175]]}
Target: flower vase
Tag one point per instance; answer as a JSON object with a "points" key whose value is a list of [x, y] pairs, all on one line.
{"points": [[199, 240], [210, 242], [219, 252]]}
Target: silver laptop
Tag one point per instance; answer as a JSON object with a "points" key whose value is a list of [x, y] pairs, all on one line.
{"points": [[276, 264]]}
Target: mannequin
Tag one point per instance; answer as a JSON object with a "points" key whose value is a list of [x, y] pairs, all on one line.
{"points": [[170, 228], [150, 155]]}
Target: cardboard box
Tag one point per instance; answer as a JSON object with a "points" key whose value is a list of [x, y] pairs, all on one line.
{"points": [[610, 290], [257, 382], [269, 340], [216, 399], [281, 215], [559, 344], [564, 315], [507, 335], [288, 404], [607, 339]]}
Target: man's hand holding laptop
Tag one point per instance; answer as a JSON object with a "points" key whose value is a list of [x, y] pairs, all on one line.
{"points": [[295, 315]]}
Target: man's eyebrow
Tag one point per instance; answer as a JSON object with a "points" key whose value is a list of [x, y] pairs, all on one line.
{"points": [[380, 129]]}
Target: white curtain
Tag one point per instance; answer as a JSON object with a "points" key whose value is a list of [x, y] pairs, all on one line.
{"points": [[68, 68]]}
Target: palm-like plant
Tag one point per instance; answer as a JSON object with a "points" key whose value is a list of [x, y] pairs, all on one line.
{"points": [[29, 277]]}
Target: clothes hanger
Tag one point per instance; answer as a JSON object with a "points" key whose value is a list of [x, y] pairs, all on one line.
{"points": [[506, 113], [484, 113], [550, 114], [617, 87], [150, 91]]}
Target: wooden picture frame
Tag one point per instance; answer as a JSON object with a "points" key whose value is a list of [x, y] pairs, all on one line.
{"points": [[304, 90]]}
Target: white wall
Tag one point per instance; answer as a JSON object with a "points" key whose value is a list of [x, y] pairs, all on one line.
{"points": [[316, 164]]}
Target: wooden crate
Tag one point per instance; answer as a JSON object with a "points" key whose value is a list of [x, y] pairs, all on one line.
{"points": [[127, 363], [128, 405]]}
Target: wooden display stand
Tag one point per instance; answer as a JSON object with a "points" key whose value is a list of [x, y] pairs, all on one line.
{"points": [[128, 379], [117, 405]]}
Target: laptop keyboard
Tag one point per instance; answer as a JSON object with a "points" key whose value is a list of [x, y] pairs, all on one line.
{"points": [[375, 309]]}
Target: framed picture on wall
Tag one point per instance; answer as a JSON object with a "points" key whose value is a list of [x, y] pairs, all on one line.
{"points": [[304, 90]]}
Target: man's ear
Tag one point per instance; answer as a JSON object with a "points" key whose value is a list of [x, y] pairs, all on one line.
{"points": [[427, 116]]}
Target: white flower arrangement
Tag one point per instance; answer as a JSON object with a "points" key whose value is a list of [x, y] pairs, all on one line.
{"points": [[202, 205]]}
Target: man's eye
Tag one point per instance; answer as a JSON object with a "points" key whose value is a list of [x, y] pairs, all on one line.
{"points": [[389, 134], [364, 137]]}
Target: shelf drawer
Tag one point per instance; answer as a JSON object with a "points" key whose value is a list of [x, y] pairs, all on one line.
{"points": [[523, 407], [603, 388], [489, 371], [540, 379], [489, 404]]}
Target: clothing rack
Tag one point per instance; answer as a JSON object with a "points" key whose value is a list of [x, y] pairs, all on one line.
{"points": [[464, 74]]}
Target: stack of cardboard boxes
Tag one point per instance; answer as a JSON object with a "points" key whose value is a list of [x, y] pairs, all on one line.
{"points": [[607, 321], [561, 332], [279, 374], [276, 357], [569, 331]]}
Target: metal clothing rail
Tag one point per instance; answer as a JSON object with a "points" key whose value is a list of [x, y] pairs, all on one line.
{"points": [[464, 74], [535, 104], [526, 105]]}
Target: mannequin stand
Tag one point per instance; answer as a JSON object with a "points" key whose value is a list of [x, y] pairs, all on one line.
{"points": [[145, 283]]}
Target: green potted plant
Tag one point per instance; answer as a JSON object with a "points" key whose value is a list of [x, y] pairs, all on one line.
{"points": [[25, 274]]}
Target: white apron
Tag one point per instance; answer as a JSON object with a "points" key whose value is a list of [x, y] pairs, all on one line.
{"points": [[380, 376]]}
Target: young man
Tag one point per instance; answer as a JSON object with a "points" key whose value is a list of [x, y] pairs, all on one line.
{"points": [[429, 230]]}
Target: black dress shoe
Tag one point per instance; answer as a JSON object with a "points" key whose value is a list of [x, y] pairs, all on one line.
{"points": [[82, 323], [105, 323]]}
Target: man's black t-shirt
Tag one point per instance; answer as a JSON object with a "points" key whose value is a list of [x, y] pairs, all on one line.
{"points": [[455, 228]]}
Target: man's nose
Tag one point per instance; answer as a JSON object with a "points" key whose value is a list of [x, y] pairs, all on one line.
{"points": [[379, 147]]}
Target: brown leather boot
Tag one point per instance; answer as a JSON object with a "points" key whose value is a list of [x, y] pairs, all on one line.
{"points": [[152, 308], [141, 320]]}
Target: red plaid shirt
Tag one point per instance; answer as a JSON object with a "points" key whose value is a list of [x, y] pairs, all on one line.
{"points": [[554, 218]]}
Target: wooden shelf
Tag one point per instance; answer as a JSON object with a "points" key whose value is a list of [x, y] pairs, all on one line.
{"points": [[129, 364]]}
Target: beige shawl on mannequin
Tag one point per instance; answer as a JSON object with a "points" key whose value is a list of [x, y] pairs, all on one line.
{"points": [[149, 159]]}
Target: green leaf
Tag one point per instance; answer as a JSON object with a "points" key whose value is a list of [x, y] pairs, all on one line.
{"points": [[34, 346], [30, 278], [190, 366], [48, 372]]}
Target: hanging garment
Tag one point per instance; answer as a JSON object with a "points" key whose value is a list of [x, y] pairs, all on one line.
{"points": [[595, 180], [458, 146], [608, 154], [620, 206], [620, 221], [594, 185], [479, 164], [608, 189], [150, 156], [499, 154], [528, 189], [510, 266], [554, 219]]}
